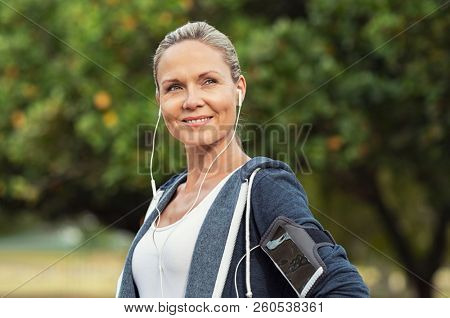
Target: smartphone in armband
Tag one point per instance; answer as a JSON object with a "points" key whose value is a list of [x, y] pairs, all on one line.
{"points": [[293, 250]]}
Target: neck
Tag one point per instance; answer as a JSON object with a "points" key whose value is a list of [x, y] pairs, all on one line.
{"points": [[200, 158]]}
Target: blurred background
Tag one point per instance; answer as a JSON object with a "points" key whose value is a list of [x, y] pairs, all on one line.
{"points": [[369, 78]]}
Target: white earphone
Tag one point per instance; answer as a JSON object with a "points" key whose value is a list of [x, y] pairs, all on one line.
{"points": [[240, 97], [152, 181]]}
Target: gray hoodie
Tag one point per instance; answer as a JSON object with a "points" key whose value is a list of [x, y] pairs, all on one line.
{"points": [[248, 203]]}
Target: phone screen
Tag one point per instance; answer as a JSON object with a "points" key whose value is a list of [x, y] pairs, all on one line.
{"points": [[289, 259]]}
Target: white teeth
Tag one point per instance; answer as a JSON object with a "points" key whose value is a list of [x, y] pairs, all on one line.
{"points": [[197, 120]]}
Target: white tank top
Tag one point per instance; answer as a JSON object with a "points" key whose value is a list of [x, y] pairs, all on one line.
{"points": [[176, 253]]}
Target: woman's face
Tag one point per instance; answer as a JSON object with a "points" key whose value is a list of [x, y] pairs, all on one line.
{"points": [[195, 82]]}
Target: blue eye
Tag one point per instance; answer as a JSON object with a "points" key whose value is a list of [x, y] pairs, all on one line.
{"points": [[210, 79], [170, 87]]}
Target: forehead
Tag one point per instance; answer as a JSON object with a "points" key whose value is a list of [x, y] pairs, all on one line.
{"points": [[189, 58]]}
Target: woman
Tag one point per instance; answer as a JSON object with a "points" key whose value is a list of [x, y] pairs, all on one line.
{"points": [[196, 234]]}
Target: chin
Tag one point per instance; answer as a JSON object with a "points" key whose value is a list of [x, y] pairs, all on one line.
{"points": [[197, 143], [200, 140], [200, 136]]}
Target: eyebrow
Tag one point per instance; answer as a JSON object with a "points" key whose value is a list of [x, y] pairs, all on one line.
{"points": [[199, 76]]}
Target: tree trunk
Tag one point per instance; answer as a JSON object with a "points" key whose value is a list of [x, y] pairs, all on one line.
{"points": [[363, 183], [423, 289]]}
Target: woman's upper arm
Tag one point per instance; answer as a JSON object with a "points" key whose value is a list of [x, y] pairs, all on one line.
{"points": [[277, 192]]}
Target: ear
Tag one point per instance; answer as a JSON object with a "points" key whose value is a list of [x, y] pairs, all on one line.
{"points": [[242, 85]]}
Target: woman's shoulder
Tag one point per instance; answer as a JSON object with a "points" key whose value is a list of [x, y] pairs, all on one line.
{"points": [[267, 166], [276, 175]]}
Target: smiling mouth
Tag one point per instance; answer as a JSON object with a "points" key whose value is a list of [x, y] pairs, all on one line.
{"points": [[197, 122]]}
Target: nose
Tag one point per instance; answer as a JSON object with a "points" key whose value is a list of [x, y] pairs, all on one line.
{"points": [[193, 100]]}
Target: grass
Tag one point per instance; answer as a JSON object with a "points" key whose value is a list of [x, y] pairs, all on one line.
{"points": [[91, 273]]}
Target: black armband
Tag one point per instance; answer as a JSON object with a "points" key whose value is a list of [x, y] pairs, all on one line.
{"points": [[293, 250]]}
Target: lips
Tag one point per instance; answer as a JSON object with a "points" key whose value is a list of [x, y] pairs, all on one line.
{"points": [[197, 121], [193, 118]]}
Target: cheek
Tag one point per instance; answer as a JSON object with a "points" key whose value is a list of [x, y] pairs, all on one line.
{"points": [[170, 115], [228, 115], [172, 125], [224, 109], [170, 110]]}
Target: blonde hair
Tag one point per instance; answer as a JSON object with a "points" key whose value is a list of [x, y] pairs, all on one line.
{"points": [[205, 33]]}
